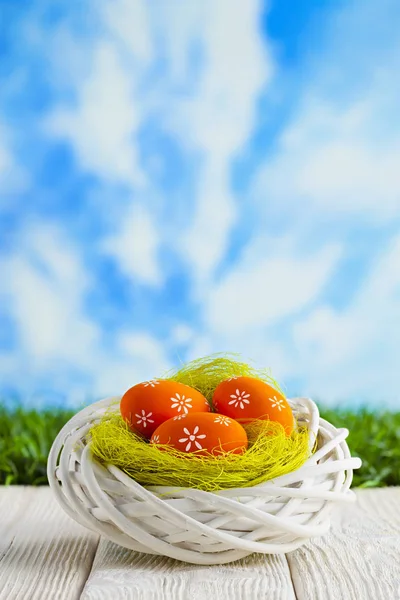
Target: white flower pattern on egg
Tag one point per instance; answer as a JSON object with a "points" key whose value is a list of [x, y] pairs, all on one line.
{"points": [[151, 383], [192, 437], [181, 402], [278, 402], [239, 399], [179, 417], [155, 439], [223, 420], [143, 419]]}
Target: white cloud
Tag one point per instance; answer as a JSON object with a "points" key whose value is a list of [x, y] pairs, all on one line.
{"points": [[13, 178], [259, 292], [138, 356], [270, 284], [218, 118], [337, 153], [181, 333], [213, 114], [236, 68], [129, 21], [45, 286], [204, 243], [135, 247], [44, 292], [103, 124], [178, 27], [354, 352], [335, 163]]}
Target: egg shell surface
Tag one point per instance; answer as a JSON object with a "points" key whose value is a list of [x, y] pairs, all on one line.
{"points": [[248, 398], [202, 433], [148, 404]]}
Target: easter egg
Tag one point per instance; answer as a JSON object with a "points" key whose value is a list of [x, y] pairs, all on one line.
{"points": [[248, 398], [148, 404], [202, 433]]}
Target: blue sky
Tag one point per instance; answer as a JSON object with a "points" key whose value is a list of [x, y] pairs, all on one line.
{"points": [[178, 179]]}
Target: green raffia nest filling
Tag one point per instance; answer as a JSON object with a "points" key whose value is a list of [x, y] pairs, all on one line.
{"points": [[271, 452], [205, 374]]}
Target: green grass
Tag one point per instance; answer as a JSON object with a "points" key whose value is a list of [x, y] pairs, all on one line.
{"points": [[26, 437], [25, 441], [375, 438]]}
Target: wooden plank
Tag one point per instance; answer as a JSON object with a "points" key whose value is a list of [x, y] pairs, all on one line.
{"points": [[43, 553], [119, 574], [359, 558]]}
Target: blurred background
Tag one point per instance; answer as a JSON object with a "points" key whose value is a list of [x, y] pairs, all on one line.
{"points": [[184, 178]]}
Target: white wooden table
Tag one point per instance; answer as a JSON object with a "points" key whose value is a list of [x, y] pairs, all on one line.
{"points": [[44, 555]]}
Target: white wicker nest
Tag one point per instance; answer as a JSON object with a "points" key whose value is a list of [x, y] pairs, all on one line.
{"points": [[196, 526]]}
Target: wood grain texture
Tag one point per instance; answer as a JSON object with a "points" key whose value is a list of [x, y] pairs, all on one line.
{"points": [[360, 558], [120, 574], [44, 555]]}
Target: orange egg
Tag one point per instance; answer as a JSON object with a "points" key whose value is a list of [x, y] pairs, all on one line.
{"points": [[247, 398], [146, 405], [202, 433]]}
